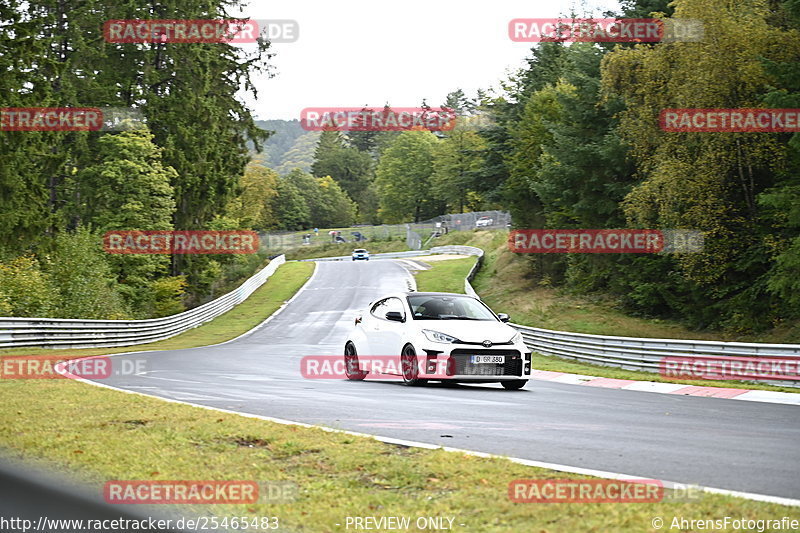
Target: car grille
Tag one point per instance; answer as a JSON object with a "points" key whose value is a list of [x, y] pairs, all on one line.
{"points": [[512, 366]]}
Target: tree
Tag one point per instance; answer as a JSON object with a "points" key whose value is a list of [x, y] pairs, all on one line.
{"points": [[458, 102], [126, 188], [457, 166], [707, 181], [300, 155], [25, 290], [781, 203], [335, 208], [86, 284], [350, 168], [290, 206], [403, 178], [254, 207]]}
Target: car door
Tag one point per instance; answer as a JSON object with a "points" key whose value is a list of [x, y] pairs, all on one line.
{"points": [[392, 337], [386, 336], [373, 323]]}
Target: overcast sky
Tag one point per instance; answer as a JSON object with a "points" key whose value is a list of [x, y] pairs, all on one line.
{"points": [[352, 53]]}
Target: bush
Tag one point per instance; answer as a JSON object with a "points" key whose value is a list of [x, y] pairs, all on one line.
{"points": [[25, 290], [168, 295], [86, 285]]}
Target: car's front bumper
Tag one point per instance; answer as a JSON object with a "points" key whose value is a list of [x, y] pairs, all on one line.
{"points": [[456, 364]]}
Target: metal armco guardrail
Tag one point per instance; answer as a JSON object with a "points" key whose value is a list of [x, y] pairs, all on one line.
{"points": [[632, 353], [385, 255], [68, 333], [646, 354]]}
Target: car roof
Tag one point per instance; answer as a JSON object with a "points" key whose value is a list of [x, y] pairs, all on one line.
{"points": [[402, 295], [415, 293]]}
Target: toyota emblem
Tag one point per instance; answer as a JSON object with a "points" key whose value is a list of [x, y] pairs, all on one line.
{"points": [[487, 344]]}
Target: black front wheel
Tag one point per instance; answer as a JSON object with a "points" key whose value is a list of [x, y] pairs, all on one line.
{"points": [[351, 368], [514, 385], [410, 369]]}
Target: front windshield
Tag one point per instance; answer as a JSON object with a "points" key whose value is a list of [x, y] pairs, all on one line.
{"points": [[437, 307]]}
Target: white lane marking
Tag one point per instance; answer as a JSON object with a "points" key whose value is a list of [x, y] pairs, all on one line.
{"points": [[653, 386], [178, 395], [148, 376], [241, 377], [788, 398], [571, 379], [413, 265]]}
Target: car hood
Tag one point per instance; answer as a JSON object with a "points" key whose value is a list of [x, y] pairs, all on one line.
{"points": [[470, 330]]}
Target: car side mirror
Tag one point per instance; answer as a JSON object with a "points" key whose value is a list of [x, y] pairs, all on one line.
{"points": [[395, 316], [503, 317]]}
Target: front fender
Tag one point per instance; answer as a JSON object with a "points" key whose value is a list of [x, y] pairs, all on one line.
{"points": [[359, 339]]}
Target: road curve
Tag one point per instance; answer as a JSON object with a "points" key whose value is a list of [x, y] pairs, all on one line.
{"points": [[742, 446]]}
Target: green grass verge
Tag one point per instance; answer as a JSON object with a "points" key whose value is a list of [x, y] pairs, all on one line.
{"points": [[444, 276], [103, 434]]}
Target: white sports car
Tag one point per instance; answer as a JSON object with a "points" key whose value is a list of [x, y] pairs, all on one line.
{"points": [[422, 336]]}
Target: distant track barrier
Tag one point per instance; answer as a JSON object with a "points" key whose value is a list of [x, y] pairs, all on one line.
{"points": [[69, 333]]}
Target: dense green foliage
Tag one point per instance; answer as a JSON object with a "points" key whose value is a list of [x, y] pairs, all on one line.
{"points": [[580, 146], [177, 168]]}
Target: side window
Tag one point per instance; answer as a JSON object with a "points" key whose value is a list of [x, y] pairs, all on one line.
{"points": [[379, 309], [382, 307], [393, 304]]}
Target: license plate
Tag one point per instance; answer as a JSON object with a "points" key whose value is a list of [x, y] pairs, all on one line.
{"points": [[487, 359]]}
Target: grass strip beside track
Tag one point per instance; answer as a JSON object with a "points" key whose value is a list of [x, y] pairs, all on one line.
{"points": [[444, 276], [110, 435]]}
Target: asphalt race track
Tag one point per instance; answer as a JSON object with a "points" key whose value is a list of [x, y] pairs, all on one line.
{"points": [[735, 445]]}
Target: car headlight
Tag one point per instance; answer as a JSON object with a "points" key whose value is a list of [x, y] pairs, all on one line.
{"points": [[516, 338], [438, 336]]}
